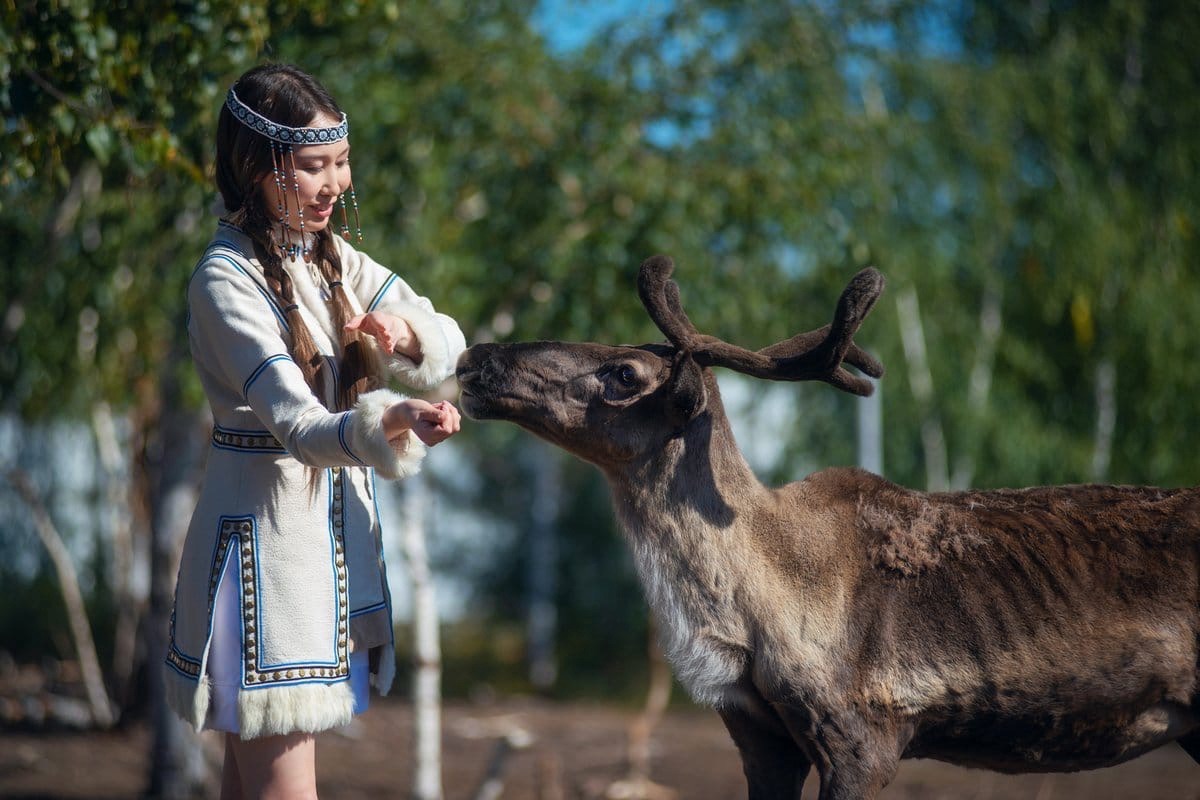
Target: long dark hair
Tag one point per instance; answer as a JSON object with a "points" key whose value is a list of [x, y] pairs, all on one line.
{"points": [[287, 95]]}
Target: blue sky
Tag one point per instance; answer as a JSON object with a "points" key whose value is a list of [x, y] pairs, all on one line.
{"points": [[569, 24]]}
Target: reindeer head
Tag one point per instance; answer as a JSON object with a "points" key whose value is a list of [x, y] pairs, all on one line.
{"points": [[610, 405]]}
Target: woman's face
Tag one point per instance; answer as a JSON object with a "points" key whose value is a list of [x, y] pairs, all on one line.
{"points": [[322, 174]]}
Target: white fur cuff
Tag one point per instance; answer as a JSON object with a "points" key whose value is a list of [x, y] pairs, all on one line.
{"points": [[435, 364], [391, 461]]}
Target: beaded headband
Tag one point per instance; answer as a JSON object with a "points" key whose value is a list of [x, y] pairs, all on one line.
{"points": [[283, 133], [282, 138]]}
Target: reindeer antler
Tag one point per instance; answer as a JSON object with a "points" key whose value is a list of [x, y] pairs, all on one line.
{"points": [[814, 355]]}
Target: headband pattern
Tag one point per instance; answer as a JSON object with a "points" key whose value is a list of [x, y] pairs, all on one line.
{"points": [[282, 133]]}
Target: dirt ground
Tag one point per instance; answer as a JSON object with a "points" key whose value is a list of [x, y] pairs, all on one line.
{"points": [[574, 752]]}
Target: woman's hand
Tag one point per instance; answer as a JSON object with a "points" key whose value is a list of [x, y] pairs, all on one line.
{"points": [[393, 334], [431, 422]]}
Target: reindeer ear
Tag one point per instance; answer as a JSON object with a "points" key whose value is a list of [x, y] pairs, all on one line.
{"points": [[685, 394]]}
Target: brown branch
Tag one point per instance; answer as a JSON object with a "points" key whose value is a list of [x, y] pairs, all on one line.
{"points": [[81, 631], [56, 93], [637, 784]]}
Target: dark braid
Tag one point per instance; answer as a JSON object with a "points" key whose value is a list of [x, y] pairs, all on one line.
{"points": [[253, 221], [244, 158], [360, 368]]}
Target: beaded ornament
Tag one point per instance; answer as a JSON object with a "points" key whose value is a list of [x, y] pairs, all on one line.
{"points": [[283, 138]]}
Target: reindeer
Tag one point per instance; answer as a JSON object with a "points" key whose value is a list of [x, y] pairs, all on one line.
{"points": [[845, 622]]}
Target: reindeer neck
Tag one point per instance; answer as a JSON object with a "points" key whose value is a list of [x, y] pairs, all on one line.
{"points": [[699, 476], [686, 511]]}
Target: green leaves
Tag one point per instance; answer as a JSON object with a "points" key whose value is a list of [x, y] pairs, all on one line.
{"points": [[770, 148]]}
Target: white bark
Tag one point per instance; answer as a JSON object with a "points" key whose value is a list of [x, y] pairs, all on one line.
{"points": [[870, 432], [543, 567], [175, 449], [920, 379], [116, 502], [979, 385], [1106, 418], [68, 584], [427, 656]]}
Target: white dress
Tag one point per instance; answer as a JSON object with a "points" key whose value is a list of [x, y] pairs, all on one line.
{"points": [[286, 525]]}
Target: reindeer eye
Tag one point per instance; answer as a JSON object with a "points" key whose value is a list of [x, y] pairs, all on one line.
{"points": [[626, 375]]}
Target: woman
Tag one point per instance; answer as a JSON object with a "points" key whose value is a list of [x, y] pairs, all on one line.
{"points": [[282, 614]]}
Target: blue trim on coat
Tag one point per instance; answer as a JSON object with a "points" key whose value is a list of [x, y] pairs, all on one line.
{"points": [[172, 647], [258, 372], [275, 684], [333, 563], [387, 590], [193, 678], [378, 298], [273, 449], [262, 666], [368, 609], [271, 301], [234, 544], [235, 541], [342, 438]]}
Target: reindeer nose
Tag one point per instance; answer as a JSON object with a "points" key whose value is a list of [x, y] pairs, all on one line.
{"points": [[466, 365], [478, 364]]}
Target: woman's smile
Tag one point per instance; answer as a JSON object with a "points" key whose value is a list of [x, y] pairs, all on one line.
{"points": [[312, 179]]}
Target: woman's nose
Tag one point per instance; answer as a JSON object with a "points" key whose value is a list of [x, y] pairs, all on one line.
{"points": [[329, 183]]}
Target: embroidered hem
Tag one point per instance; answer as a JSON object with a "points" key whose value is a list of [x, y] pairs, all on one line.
{"points": [[267, 711]]}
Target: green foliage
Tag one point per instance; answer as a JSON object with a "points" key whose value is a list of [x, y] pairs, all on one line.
{"points": [[110, 109], [1044, 154]]}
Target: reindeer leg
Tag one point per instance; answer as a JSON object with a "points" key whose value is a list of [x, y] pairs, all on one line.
{"points": [[1191, 745], [856, 757], [862, 760], [774, 765]]}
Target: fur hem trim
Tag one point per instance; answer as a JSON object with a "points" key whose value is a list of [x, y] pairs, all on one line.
{"points": [[390, 460], [386, 674], [436, 364], [186, 697], [308, 708]]}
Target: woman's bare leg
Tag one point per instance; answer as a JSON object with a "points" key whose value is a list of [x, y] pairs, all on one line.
{"points": [[277, 767]]}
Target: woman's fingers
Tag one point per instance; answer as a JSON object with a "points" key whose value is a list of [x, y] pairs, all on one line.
{"points": [[433, 416], [431, 422], [453, 421], [439, 423], [370, 325]]}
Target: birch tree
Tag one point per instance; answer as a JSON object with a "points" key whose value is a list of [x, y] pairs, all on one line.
{"points": [[427, 654]]}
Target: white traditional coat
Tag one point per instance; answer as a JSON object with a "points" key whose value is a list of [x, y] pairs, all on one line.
{"points": [[311, 576]]}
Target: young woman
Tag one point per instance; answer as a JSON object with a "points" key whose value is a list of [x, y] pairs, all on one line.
{"points": [[282, 615]]}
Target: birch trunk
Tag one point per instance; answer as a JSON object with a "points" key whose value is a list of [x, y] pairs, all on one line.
{"points": [[543, 567], [870, 433], [979, 386], [174, 447], [68, 583], [1106, 418], [427, 656], [127, 576], [912, 335]]}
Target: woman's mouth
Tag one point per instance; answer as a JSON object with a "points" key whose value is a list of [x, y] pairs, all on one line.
{"points": [[323, 212]]}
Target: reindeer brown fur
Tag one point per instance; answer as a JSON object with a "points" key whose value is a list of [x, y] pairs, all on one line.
{"points": [[843, 622]]}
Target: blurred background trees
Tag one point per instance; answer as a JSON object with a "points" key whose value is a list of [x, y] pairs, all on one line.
{"points": [[1027, 176]]}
